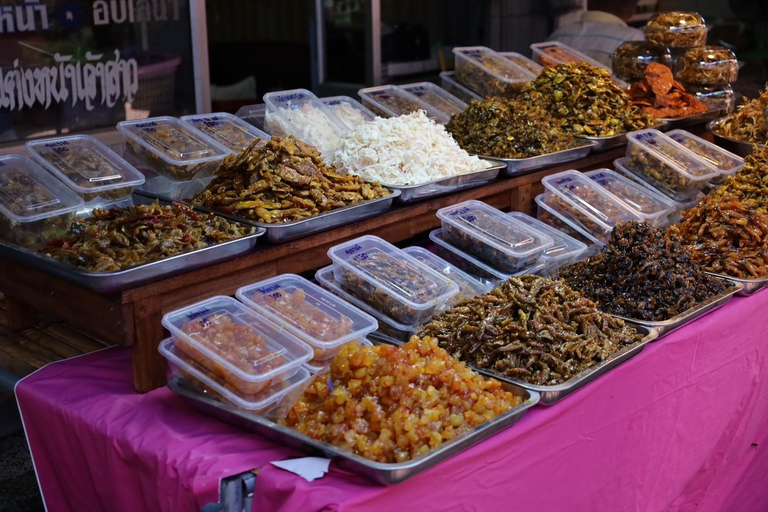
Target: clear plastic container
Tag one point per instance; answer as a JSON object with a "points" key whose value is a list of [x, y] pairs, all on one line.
{"points": [[553, 216], [564, 250], [203, 379], [390, 280], [174, 190], [667, 165], [523, 61], [34, 205], [489, 74], [493, 237], [715, 98], [227, 338], [87, 211], [317, 366], [388, 326], [349, 111], [707, 65], [676, 29], [392, 101], [726, 162], [552, 53], [468, 286], [255, 115], [630, 59], [172, 148], [300, 113], [449, 83], [436, 97], [229, 130], [650, 206], [91, 169], [313, 315]]}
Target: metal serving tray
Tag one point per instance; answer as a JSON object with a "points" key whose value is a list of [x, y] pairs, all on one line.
{"points": [[739, 147], [667, 326], [606, 143], [282, 233], [442, 186], [382, 473], [553, 394], [749, 286], [518, 166], [693, 119]]}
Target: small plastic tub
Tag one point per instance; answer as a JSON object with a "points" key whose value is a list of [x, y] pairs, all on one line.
{"points": [[390, 280], [667, 165], [489, 74], [316, 366], [468, 286], [255, 115], [203, 379], [726, 162], [631, 58], [172, 148], [234, 343], [388, 326], [91, 169], [436, 97], [449, 83], [676, 29], [393, 101], [707, 65], [34, 205], [313, 315], [300, 113], [564, 250], [715, 98], [161, 186], [493, 237], [651, 207], [523, 61], [560, 220], [553, 53], [349, 111], [228, 130]]}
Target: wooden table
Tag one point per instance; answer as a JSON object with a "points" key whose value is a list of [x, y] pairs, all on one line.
{"points": [[132, 317]]}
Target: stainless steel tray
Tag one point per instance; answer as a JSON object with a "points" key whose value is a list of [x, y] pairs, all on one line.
{"points": [[748, 286], [382, 473], [518, 166], [693, 119], [667, 326], [606, 143], [109, 282], [411, 193], [739, 147], [552, 394], [282, 233]]}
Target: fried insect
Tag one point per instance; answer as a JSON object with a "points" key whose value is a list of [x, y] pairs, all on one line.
{"points": [[748, 123], [531, 328], [642, 275], [660, 95], [631, 58], [282, 181], [750, 184], [708, 65]]}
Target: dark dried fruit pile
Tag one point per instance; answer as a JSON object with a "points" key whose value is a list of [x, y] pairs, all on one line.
{"points": [[531, 328], [750, 184], [726, 236], [504, 128], [642, 275]]}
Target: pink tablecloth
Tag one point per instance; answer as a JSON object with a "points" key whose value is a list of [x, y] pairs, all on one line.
{"points": [[683, 427]]}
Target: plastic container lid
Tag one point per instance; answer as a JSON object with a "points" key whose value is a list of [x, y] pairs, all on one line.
{"points": [[707, 65], [254, 115], [307, 311], [676, 156], [552, 53], [566, 220], [448, 80], [487, 62], [86, 165], [437, 97], [256, 367], [44, 195], [315, 366], [300, 113], [725, 161], [394, 272], [714, 97], [521, 60], [468, 286], [349, 111], [650, 206], [621, 166], [564, 249], [393, 101], [229, 130], [261, 401]]}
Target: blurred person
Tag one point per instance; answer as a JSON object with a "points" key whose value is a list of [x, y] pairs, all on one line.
{"points": [[602, 28]]}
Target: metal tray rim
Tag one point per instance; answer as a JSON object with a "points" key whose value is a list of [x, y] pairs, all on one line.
{"points": [[710, 129], [715, 114], [585, 144], [607, 142], [481, 175], [749, 286]]}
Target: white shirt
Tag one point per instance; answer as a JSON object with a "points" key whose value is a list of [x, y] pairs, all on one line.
{"points": [[597, 35]]}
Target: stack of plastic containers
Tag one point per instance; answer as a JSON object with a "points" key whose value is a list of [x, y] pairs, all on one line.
{"points": [[708, 73], [723, 160], [449, 83], [564, 250], [552, 53], [468, 286], [34, 206], [393, 101], [488, 73], [349, 111], [255, 115], [630, 59], [228, 130], [436, 97], [89, 168]]}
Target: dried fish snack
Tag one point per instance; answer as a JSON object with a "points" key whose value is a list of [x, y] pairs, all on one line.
{"points": [[118, 239], [750, 184], [726, 236], [531, 328], [642, 275], [391, 404], [631, 58], [487, 73], [660, 95], [676, 30], [504, 128], [748, 123], [707, 65], [584, 100], [282, 181]]}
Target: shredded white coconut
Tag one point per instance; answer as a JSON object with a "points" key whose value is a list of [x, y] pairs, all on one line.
{"points": [[348, 114], [405, 150], [310, 125]]}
